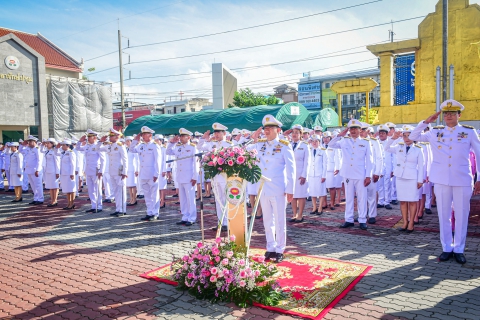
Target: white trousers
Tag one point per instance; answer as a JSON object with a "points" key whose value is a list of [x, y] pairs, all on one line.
{"points": [[188, 206], [2, 183], [460, 196], [26, 181], [372, 199], [393, 188], [428, 194], [220, 200], [37, 186], [94, 186], [108, 186], [119, 190], [139, 186], [383, 187], [274, 222], [152, 196], [351, 187]]}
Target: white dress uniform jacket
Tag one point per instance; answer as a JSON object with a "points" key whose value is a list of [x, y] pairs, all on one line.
{"points": [[117, 166], [95, 162], [51, 167], [68, 165], [301, 152], [33, 163], [409, 165], [15, 168]]}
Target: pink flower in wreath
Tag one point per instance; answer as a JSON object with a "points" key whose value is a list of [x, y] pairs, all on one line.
{"points": [[220, 274], [261, 259], [243, 274], [219, 169], [190, 275], [242, 283], [232, 154], [217, 259], [225, 261], [199, 245], [215, 251], [257, 273], [214, 271], [230, 163], [240, 159], [221, 153], [229, 254], [232, 237], [221, 161], [210, 163], [218, 239], [213, 279], [241, 262]]}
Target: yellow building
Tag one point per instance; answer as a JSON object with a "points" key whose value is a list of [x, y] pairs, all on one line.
{"points": [[463, 53]]}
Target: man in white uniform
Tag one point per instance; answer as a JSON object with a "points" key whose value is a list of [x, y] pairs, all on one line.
{"points": [[187, 174], [384, 183], [94, 168], [34, 169], [118, 168], [150, 159], [277, 164], [451, 174], [218, 182], [357, 168]]}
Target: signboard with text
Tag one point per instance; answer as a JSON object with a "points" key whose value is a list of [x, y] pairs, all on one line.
{"points": [[309, 95]]}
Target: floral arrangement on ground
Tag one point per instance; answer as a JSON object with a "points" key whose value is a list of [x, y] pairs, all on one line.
{"points": [[222, 272], [232, 161]]}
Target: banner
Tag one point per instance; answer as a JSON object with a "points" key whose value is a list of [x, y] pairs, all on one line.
{"points": [[404, 79], [309, 95]]}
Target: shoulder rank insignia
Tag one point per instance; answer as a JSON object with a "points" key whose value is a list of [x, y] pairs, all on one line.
{"points": [[401, 143], [439, 127], [374, 139], [178, 144], [347, 137], [261, 140], [323, 148], [416, 145], [229, 141], [466, 126], [192, 144], [120, 144], [285, 142]]}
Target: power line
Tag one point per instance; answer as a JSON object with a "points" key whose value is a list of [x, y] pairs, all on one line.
{"points": [[135, 14], [240, 29], [273, 43]]}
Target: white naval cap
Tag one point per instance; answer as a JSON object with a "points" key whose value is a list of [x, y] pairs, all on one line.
{"points": [[315, 137], [390, 124], [365, 125], [198, 134], [20, 140], [32, 138], [299, 127], [219, 127], [91, 133], [245, 131], [451, 105], [159, 136], [270, 120], [399, 129], [307, 130], [236, 131], [184, 131], [12, 144], [146, 129], [354, 123], [407, 128], [383, 127], [66, 141], [370, 129], [113, 132], [44, 140], [318, 128], [195, 140], [128, 138], [327, 134], [52, 140]]}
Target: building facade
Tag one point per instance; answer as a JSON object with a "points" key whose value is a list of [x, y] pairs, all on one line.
{"points": [[286, 93]]}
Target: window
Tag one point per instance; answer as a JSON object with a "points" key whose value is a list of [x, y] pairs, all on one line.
{"points": [[182, 110], [169, 111], [352, 99], [344, 100], [327, 85]]}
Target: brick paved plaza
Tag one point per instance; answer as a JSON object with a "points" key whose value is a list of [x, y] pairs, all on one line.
{"points": [[58, 264]]}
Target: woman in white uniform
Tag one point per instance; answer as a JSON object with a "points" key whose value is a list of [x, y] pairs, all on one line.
{"points": [[15, 169], [132, 174], [162, 180], [409, 173], [68, 164], [317, 175], [302, 162], [51, 171], [334, 161]]}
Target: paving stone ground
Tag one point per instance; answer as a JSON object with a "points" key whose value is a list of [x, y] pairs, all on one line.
{"points": [[57, 264]]}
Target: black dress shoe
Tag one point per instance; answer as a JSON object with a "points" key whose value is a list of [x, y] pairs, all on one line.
{"points": [[380, 206], [152, 218], [401, 229], [409, 230], [420, 217], [90, 210], [434, 205], [388, 207], [33, 202], [416, 222], [460, 258], [188, 224], [347, 225], [181, 222], [372, 220], [428, 211], [314, 211], [298, 220], [394, 202], [178, 202], [52, 204], [146, 218], [445, 256], [363, 226], [332, 208], [319, 213], [292, 220], [19, 200], [337, 205], [107, 201], [121, 214], [162, 206], [99, 210], [278, 257], [115, 213], [175, 196], [132, 204], [38, 202], [259, 217], [269, 255]]}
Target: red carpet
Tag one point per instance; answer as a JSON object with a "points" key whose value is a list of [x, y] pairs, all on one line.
{"points": [[313, 285]]}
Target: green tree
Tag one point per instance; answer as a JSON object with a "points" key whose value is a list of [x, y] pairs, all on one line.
{"points": [[372, 115], [246, 98]]}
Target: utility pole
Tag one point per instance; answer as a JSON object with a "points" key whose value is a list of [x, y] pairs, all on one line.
{"points": [[121, 77], [445, 50]]}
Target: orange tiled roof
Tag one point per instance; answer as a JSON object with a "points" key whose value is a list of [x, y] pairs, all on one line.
{"points": [[54, 56]]}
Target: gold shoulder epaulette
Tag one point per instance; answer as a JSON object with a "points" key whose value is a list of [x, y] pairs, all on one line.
{"points": [[323, 148], [178, 144], [416, 145], [229, 142], [374, 139], [366, 139], [261, 140], [192, 144], [401, 143], [347, 137], [120, 144], [466, 126], [439, 127], [285, 142], [213, 140]]}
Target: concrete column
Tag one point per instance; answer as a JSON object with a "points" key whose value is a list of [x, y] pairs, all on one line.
{"points": [[386, 79]]}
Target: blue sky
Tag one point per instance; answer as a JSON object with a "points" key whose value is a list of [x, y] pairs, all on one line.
{"points": [[87, 29]]}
